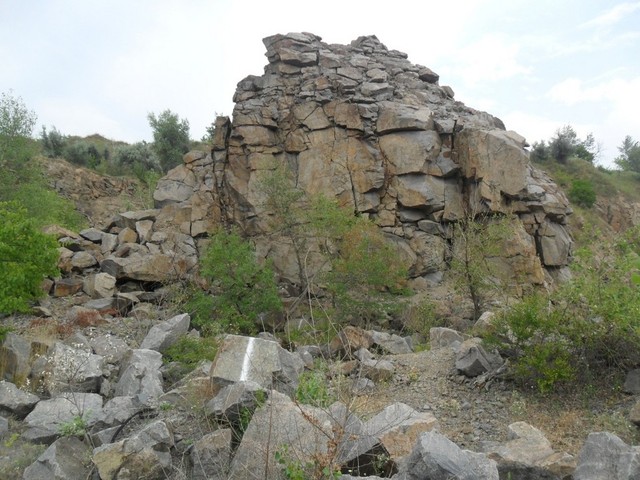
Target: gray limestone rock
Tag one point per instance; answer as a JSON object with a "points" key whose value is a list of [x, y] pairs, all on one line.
{"points": [[68, 458], [605, 456], [140, 376], [264, 362], [473, 360], [398, 427], [437, 458], [69, 368], [390, 343], [211, 456], [16, 401], [164, 334], [442, 337], [49, 416], [143, 455]]}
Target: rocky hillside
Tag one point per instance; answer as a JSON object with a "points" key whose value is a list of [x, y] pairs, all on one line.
{"points": [[87, 388], [362, 124]]}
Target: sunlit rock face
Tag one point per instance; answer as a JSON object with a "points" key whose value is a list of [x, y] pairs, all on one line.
{"points": [[360, 123]]}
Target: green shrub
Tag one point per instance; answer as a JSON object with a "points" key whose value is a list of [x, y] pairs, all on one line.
{"points": [[170, 138], [313, 387], [27, 256], [582, 193], [363, 283], [588, 325], [75, 427], [190, 351], [244, 290], [53, 142]]}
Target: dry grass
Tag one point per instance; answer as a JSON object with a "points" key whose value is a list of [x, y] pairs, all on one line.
{"points": [[567, 418]]}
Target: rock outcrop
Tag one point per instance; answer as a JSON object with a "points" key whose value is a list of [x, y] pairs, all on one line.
{"points": [[360, 123]]}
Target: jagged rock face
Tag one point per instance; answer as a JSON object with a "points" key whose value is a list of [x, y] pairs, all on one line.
{"points": [[362, 124]]}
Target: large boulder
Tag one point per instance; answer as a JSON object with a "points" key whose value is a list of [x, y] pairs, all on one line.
{"points": [[143, 455], [398, 427], [16, 401], [437, 458], [49, 417], [140, 376], [528, 454], [68, 458], [71, 369], [605, 456], [164, 334], [242, 359]]}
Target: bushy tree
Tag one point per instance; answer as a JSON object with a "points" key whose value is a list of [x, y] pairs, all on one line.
{"points": [[16, 146], [363, 281], [139, 154], [243, 289], [629, 158], [539, 151], [27, 256], [53, 142], [21, 180], [566, 144], [82, 153], [170, 138], [563, 144]]}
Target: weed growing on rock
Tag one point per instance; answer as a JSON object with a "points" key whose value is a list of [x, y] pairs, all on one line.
{"points": [[313, 388]]}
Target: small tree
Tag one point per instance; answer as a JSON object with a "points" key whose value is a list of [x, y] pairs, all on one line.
{"points": [[170, 138], [629, 158], [364, 282], [16, 147], [27, 256], [244, 290], [477, 241], [53, 142], [563, 144]]}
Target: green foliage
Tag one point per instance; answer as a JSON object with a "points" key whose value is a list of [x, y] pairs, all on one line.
{"points": [[83, 153], [170, 138], [46, 207], [190, 351], [313, 387], [476, 243], [294, 469], [27, 256], [363, 282], [244, 289], [3, 332], [588, 325], [75, 427], [16, 125], [22, 180], [629, 158], [564, 145], [16, 147], [139, 156], [53, 143], [582, 193]]}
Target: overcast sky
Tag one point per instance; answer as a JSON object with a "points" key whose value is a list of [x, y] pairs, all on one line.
{"points": [[100, 66]]}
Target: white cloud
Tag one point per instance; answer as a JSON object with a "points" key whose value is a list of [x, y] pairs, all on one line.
{"points": [[617, 91], [493, 56], [612, 16]]}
